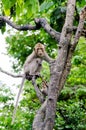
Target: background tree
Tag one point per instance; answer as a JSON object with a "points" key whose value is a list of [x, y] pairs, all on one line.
{"points": [[23, 12]]}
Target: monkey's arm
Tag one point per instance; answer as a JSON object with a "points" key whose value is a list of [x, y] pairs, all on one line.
{"points": [[47, 57]]}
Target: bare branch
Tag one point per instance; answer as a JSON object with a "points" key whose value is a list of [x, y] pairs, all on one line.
{"points": [[80, 27], [20, 28], [40, 22], [10, 74], [38, 92], [74, 29], [54, 34]]}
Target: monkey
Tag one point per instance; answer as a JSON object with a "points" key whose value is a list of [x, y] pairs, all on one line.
{"points": [[39, 51], [32, 66]]}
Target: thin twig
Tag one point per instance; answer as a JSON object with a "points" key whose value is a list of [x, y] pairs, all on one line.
{"points": [[10, 74]]}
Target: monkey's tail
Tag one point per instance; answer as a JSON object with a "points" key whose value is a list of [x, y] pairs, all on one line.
{"points": [[16, 105]]}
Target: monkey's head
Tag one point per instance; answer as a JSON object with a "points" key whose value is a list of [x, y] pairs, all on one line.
{"points": [[39, 49]]}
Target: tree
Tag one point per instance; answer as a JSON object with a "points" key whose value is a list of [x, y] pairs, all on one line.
{"points": [[59, 70]]}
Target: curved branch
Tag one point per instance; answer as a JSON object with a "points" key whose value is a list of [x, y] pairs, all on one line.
{"points": [[20, 28], [40, 22], [43, 22], [10, 74]]}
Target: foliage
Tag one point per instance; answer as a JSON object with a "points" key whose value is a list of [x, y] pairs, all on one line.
{"points": [[78, 71], [71, 115], [15, 7], [6, 106], [25, 113]]}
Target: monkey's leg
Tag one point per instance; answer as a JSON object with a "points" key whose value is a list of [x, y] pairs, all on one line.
{"points": [[16, 105]]}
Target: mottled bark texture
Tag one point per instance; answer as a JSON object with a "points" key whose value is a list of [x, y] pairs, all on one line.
{"points": [[44, 119]]}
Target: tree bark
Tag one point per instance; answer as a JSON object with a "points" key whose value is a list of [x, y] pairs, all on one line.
{"points": [[58, 67]]}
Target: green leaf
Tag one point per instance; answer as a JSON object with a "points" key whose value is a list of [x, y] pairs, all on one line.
{"points": [[7, 4], [45, 6], [7, 12], [20, 2]]}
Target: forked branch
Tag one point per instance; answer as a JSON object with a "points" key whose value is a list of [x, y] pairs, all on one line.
{"points": [[72, 47]]}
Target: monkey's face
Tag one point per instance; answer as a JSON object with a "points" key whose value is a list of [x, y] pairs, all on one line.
{"points": [[39, 50]]}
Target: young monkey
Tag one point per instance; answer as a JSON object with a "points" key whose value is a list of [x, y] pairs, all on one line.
{"points": [[32, 66]]}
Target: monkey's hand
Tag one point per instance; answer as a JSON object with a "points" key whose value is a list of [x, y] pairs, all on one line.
{"points": [[29, 77]]}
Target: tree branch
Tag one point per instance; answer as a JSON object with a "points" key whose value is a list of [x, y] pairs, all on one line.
{"points": [[72, 48], [20, 28], [40, 22], [83, 31], [58, 67], [80, 27], [10, 74], [54, 34], [38, 92]]}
